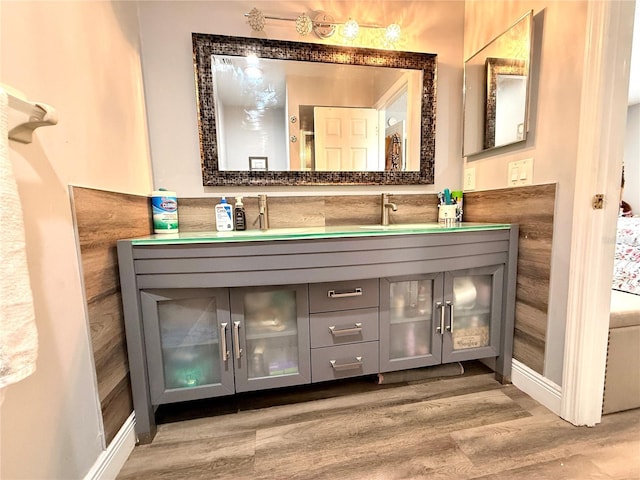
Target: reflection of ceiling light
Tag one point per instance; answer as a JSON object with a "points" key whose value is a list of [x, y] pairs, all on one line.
{"points": [[304, 25], [350, 29], [253, 72]]}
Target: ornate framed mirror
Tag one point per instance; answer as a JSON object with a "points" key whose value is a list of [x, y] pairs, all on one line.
{"points": [[318, 114]]}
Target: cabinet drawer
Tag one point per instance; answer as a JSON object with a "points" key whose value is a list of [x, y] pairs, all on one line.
{"points": [[343, 361], [332, 296], [347, 326]]}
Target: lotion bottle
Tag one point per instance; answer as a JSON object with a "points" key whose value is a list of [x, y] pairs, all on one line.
{"points": [[224, 220], [239, 216]]}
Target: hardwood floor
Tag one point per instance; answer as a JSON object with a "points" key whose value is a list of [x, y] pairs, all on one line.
{"points": [[451, 428]]}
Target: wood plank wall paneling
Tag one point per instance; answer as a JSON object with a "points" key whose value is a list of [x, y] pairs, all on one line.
{"points": [[196, 214], [101, 218], [532, 207]]}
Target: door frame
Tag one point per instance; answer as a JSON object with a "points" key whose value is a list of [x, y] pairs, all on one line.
{"points": [[598, 166]]}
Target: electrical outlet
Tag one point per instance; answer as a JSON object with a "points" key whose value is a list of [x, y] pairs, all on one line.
{"points": [[520, 172], [469, 179]]}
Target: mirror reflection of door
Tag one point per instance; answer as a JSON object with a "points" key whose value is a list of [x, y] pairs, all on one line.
{"points": [[346, 139], [511, 98]]}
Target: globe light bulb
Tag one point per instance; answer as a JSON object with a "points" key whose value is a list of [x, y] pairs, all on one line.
{"points": [[392, 33], [351, 28], [304, 25], [256, 19]]}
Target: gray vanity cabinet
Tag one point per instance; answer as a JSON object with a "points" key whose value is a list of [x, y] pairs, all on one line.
{"points": [[344, 329], [440, 317], [270, 328], [208, 342], [187, 337], [214, 314]]}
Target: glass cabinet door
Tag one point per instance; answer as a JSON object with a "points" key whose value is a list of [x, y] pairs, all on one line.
{"points": [[410, 321], [188, 336], [472, 325], [270, 336]]}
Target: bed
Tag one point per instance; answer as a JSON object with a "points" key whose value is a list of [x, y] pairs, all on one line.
{"points": [[622, 380]]}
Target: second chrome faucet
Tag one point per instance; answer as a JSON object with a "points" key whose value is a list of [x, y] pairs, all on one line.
{"points": [[263, 212], [386, 206]]}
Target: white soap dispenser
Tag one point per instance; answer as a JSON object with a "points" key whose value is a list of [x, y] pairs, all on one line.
{"points": [[224, 218]]}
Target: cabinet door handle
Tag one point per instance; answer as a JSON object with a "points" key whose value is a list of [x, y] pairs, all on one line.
{"points": [[223, 342], [355, 293], [440, 328], [357, 328], [236, 339], [450, 326], [346, 366]]}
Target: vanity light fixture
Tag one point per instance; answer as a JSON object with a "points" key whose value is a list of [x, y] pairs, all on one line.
{"points": [[323, 25], [350, 29]]}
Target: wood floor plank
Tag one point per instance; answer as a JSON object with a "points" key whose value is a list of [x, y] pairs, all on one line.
{"points": [[227, 456], [576, 467], [542, 439], [407, 436]]}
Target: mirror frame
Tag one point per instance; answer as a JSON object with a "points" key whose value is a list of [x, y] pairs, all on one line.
{"points": [[492, 67], [206, 45]]}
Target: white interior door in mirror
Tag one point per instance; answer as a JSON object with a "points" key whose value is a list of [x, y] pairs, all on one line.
{"points": [[511, 98], [347, 139]]}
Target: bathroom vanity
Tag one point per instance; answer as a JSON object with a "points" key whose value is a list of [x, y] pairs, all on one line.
{"points": [[212, 314]]}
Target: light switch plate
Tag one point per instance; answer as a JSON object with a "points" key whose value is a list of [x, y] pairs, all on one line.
{"points": [[520, 172], [469, 179]]}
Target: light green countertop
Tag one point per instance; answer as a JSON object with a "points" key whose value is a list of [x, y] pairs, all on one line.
{"points": [[314, 233]]}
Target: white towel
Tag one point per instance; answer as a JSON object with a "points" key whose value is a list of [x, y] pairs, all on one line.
{"points": [[18, 334]]}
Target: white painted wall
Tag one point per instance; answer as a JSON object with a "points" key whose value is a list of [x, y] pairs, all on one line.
{"points": [[82, 58], [269, 142], [166, 27]]}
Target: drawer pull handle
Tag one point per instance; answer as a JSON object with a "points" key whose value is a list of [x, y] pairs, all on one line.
{"points": [[223, 342], [355, 293], [236, 339], [450, 326], [356, 329], [346, 366]]}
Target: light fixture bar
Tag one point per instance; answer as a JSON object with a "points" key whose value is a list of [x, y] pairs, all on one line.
{"points": [[322, 25]]}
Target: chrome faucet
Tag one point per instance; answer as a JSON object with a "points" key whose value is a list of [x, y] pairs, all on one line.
{"points": [[263, 212], [386, 205]]}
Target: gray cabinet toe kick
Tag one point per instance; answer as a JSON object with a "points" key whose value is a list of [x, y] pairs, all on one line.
{"points": [[212, 318]]}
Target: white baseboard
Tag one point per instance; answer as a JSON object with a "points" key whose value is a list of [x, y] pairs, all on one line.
{"points": [[111, 460], [536, 386]]}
